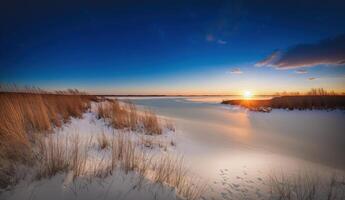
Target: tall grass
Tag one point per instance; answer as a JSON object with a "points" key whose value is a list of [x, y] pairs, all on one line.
{"points": [[151, 124], [23, 116], [126, 116], [293, 102], [53, 156], [26, 121], [306, 186], [172, 171]]}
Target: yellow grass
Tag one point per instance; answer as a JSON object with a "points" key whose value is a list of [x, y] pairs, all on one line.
{"points": [[27, 119], [23, 116], [151, 124], [128, 117]]}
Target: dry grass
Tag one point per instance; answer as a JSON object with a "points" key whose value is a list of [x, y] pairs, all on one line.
{"points": [[172, 171], [78, 156], [61, 154], [169, 125], [53, 156], [103, 141], [327, 102], [127, 155], [23, 116], [127, 117], [151, 124], [25, 122], [306, 186], [166, 169]]}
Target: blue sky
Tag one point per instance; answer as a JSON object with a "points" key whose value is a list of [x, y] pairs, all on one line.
{"points": [[173, 47]]}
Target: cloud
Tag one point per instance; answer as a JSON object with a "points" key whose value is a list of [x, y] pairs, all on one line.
{"points": [[329, 51], [301, 71], [236, 71], [312, 78], [268, 60], [221, 41]]}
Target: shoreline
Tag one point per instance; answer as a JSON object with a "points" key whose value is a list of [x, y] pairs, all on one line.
{"points": [[291, 103]]}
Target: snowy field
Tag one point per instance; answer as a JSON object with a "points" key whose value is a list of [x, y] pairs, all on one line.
{"points": [[231, 151]]}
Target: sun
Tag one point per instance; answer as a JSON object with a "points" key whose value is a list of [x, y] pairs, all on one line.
{"points": [[247, 94]]}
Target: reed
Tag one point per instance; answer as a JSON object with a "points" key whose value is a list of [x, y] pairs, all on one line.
{"points": [[151, 124], [127, 116], [306, 186], [103, 141], [25, 115], [172, 171], [319, 102]]}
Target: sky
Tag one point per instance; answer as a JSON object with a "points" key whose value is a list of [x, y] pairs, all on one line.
{"points": [[173, 47]]}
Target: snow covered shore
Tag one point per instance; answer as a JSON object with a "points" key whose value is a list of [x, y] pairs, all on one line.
{"points": [[111, 164]]}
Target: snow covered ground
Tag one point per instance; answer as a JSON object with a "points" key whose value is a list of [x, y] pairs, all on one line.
{"points": [[119, 184], [232, 150]]}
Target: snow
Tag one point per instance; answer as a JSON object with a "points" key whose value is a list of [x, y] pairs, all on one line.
{"points": [[118, 185]]}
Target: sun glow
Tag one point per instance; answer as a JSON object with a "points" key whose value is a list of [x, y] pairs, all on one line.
{"points": [[247, 94]]}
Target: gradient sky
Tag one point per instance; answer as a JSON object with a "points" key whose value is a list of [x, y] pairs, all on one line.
{"points": [[174, 47]]}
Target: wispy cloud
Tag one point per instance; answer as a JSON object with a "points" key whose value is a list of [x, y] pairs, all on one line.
{"points": [[312, 78], [221, 41], [301, 71], [268, 60], [236, 71], [329, 51]]}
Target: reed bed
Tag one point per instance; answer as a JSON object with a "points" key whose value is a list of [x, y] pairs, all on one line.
{"points": [[25, 115], [306, 186], [126, 116], [26, 122], [319, 102], [172, 171]]}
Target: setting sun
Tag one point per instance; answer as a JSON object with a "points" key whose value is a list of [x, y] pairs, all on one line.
{"points": [[247, 94]]}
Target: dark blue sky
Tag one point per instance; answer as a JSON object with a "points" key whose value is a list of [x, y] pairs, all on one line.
{"points": [[173, 46]]}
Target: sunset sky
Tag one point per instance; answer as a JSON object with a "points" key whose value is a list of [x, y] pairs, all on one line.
{"points": [[174, 47]]}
